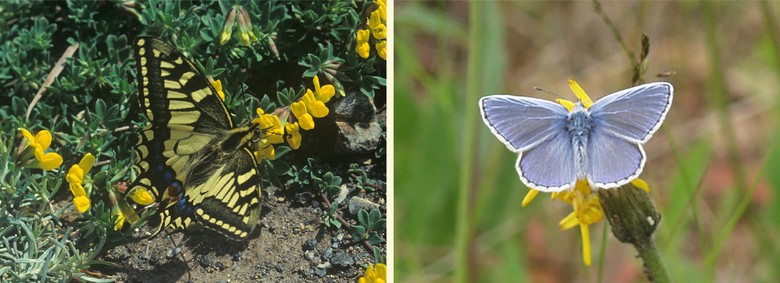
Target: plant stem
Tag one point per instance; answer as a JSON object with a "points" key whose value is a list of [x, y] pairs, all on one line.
{"points": [[464, 228], [654, 267]]}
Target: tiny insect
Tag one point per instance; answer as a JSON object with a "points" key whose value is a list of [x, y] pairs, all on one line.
{"points": [[601, 143]]}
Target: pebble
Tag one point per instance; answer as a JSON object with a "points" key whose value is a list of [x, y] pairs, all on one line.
{"points": [[327, 254], [321, 272], [356, 204], [309, 244], [342, 259]]}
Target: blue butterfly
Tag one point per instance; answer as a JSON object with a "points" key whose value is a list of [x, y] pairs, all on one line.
{"points": [[601, 143]]}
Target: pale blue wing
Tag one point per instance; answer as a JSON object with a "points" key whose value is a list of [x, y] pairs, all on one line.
{"points": [[634, 113], [613, 161], [522, 122], [549, 166]]}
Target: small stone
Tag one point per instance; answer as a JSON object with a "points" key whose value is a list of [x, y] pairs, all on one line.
{"points": [[279, 267], [237, 256], [321, 272], [343, 192], [358, 138], [309, 244], [327, 254], [342, 260], [358, 203], [206, 261], [309, 255]]}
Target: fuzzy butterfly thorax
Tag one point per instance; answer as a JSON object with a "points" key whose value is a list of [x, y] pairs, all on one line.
{"points": [[579, 126]]}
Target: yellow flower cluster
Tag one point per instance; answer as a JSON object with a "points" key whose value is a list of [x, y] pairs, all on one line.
{"points": [[377, 27], [374, 274], [33, 155], [310, 106]]}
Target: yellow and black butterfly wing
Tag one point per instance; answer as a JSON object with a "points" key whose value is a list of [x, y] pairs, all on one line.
{"points": [[229, 200], [180, 151]]}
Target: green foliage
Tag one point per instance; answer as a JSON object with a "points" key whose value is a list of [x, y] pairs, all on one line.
{"points": [[370, 223]]}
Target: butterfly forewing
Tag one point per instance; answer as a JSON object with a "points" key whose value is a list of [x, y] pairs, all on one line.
{"points": [[634, 113], [521, 122]]}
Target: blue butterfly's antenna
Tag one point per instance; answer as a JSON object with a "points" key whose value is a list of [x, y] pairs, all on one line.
{"points": [[548, 92]]}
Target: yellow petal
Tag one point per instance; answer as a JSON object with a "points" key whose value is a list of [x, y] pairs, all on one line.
{"points": [[568, 104], [375, 19], [325, 93], [50, 161], [77, 190], [580, 93], [75, 175], [28, 136], [568, 222], [82, 203], [298, 109], [275, 133], [293, 135], [319, 110], [86, 162], [381, 49], [381, 271], [362, 35], [639, 183], [217, 84], [585, 244], [530, 197], [316, 108], [306, 122], [266, 151], [363, 49], [120, 221], [379, 31], [43, 139]]}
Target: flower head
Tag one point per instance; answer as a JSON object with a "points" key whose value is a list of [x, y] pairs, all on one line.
{"points": [[246, 35], [378, 29], [381, 49], [362, 47], [33, 155], [374, 274], [274, 133], [75, 177]]}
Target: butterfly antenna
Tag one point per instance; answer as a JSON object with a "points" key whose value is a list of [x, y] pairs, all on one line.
{"points": [[548, 92]]}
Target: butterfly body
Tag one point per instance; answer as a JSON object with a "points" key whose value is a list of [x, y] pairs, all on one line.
{"points": [[557, 146], [196, 164]]}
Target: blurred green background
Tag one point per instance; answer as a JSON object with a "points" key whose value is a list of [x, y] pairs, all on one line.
{"points": [[712, 168]]}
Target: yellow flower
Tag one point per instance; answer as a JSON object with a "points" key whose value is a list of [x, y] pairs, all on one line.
{"points": [[266, 151], [33, 154], [587, 210], [246, 35], [363, 48], [227, 29], [381, 49], [245, 27], [374, 274], [271, 125], [316, 108], [323, 93], [302, 115], [378, 29], [218, 87], [293, 135], [75, 178], [382, 10], [141, 195]]}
